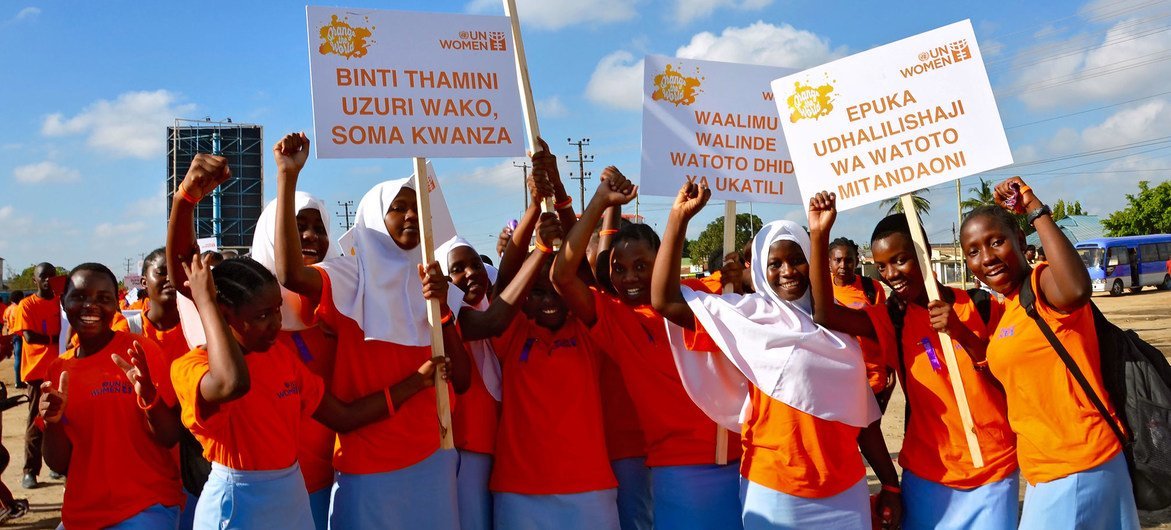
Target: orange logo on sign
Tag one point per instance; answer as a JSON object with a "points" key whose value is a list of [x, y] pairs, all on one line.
{"points": [[676, 87], [808, 101], [340, 38]]}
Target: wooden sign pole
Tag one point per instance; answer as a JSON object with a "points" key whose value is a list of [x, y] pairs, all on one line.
{"points": [[949, 354], [729, 246], [427, 244], [529, 109]]}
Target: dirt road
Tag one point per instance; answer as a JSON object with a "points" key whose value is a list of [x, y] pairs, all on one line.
{"points": [[1148, 313]]}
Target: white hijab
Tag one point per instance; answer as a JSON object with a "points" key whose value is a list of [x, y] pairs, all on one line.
{"points": [[375, 282], [772, 344], [482, 352]]}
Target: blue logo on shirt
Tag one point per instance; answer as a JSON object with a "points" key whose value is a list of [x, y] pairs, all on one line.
{"points": [[292, 388], [1006, 332], [112, 387]]}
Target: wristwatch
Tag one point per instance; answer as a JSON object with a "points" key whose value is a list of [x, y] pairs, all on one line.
{"points": [[1038, 212]]}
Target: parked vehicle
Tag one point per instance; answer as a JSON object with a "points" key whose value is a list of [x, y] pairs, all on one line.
{"points": [[1131, 262]]}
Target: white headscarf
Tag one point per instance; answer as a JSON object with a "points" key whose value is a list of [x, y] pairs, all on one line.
{"points": [[376, 283], [482, 352], [774, 345]]}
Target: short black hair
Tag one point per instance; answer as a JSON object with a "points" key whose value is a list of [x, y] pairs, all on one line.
{"points": [[996, 213], [15, 296], [155, 254], [895, 224], [846, 243], [636, 232], [1030, 247], [92, 267], [486, 259], [238, 280]]}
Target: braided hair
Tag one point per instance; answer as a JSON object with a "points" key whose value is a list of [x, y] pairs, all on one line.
{"points": [[239, 280]]}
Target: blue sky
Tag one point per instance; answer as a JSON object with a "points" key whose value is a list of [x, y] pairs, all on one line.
{"points": [[89, 88]]}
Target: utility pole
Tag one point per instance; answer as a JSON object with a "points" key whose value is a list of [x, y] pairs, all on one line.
{"points": [[128, 262], [347, 214], [582, 159], [524, 177]]}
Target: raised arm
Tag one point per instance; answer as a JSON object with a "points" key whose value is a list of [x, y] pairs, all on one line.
{"points": [[545, 167], [206, 172], [291, 153], [517, 246], [666, 297], [822, 213], [227, 375], [476, 325], [1065, 283], [614, 190]]}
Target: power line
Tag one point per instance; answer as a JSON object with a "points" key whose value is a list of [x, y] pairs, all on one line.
{"points": [[582, 160], [1086, 111], [346, 214]]}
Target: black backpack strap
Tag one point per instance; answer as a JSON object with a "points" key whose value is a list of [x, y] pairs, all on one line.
{"points": [[1028, 300], [983, 302], [869, 289]]}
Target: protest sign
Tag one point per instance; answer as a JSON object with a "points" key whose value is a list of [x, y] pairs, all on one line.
{"points": [[390, 84], [132, 281], [894, 119], [207, 244], [715, 123]]}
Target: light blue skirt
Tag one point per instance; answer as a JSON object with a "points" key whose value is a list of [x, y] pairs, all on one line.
{"points": [[156, 517], [247, 500], [635, 511], [1099, 498], [768, 509], [930, 505], [319, 506], [419, 496], [697, 497], [475, 501], [592, 510]]}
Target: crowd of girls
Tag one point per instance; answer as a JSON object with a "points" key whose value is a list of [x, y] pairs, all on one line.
{"points": [[592, 389]]}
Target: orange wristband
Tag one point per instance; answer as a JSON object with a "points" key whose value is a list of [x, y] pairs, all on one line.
{"points": [[568, 202], [147, 406], [389, 401], [892, 489], [543, 248], [446, 318], [608, 232], [187, 196]]}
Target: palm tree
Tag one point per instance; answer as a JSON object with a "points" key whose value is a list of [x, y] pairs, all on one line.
{"points": [[983, 196], [895, 205]]}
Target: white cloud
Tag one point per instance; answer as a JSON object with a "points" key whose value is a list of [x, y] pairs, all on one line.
{"points": [[154, 206], [552, 108], [111, 230], [6, 213], [762, 43], [46, 171], [133, 125], [28, 13], [1121, 63], [502, 175], [557, 14], [617, 81], [688, 10]]}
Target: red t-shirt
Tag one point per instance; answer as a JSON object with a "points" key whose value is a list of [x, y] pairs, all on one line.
{"points": [[316, 349], [624, 436], [260, 430], [116, 469], [475, 415], [38, 315], [677, 431], [550, 439]]}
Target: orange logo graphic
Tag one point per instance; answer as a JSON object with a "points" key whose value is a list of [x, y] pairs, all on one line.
{"points": [[676, 87], [340, 38], [808, 101]]}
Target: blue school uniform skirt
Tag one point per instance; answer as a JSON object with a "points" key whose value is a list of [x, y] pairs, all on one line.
{"points": [[418, 496], [767, 509], [246, 500], [697, 497], [319, 507], [155, 517], [475, 501], [930, 505], [635, 510], [1099, 498], [591, 510]]}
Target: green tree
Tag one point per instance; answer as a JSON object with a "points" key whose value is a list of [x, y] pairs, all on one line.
{"points": [[1062, 209], [1148, 213], [982, 195], [24, 280], [712, 237], [895, 205]]}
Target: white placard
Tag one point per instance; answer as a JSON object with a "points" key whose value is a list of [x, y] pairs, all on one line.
{"points": [[393, 84], [207, 244], [894, 119], [715, 123], [132, 281]]}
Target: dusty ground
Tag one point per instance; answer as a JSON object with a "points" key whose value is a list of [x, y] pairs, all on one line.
{"points": [[1148, 312]]}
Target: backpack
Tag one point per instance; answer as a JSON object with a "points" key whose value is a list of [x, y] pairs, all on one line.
{"points": [[1137, 380]]}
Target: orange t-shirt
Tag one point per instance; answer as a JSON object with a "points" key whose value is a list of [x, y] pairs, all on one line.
{"points": [[624, 436], [791, 451], [259, 431], [172, 341], [853, 296], [38, 315], [711, 284], [9, 318], [1059, 432], [363, 367], [934, 445], [316, 348], [551, 438], [677, 432], [474, 418], [110, 438]]}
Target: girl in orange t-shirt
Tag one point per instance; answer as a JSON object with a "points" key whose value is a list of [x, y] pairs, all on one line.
{"points": [[941, 487], [1073, 463], [105, 419], [681, 439], [800, 389]]}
